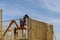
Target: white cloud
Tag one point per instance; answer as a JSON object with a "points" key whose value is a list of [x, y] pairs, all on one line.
{"points": [[56, 20], [53, 5], [56, 23], [57, 36]]}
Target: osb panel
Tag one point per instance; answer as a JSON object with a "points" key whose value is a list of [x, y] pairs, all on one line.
{"points": [[38, 30]]}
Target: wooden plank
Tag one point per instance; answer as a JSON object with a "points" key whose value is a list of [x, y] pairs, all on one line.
{"points": [[50, 32], [0, 24], [36, 30]]}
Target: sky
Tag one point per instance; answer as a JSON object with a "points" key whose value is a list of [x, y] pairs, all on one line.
{"points": [[45, 10]]}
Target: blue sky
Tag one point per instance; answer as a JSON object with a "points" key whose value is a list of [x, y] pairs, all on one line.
{"points": [[45, 10]]}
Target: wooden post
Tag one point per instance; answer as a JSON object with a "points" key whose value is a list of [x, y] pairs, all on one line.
{"points": [[0, 24]]}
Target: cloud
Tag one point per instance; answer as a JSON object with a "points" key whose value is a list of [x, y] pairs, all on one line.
{"points": [[53, 5], [56, 22], [57, 36]]}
